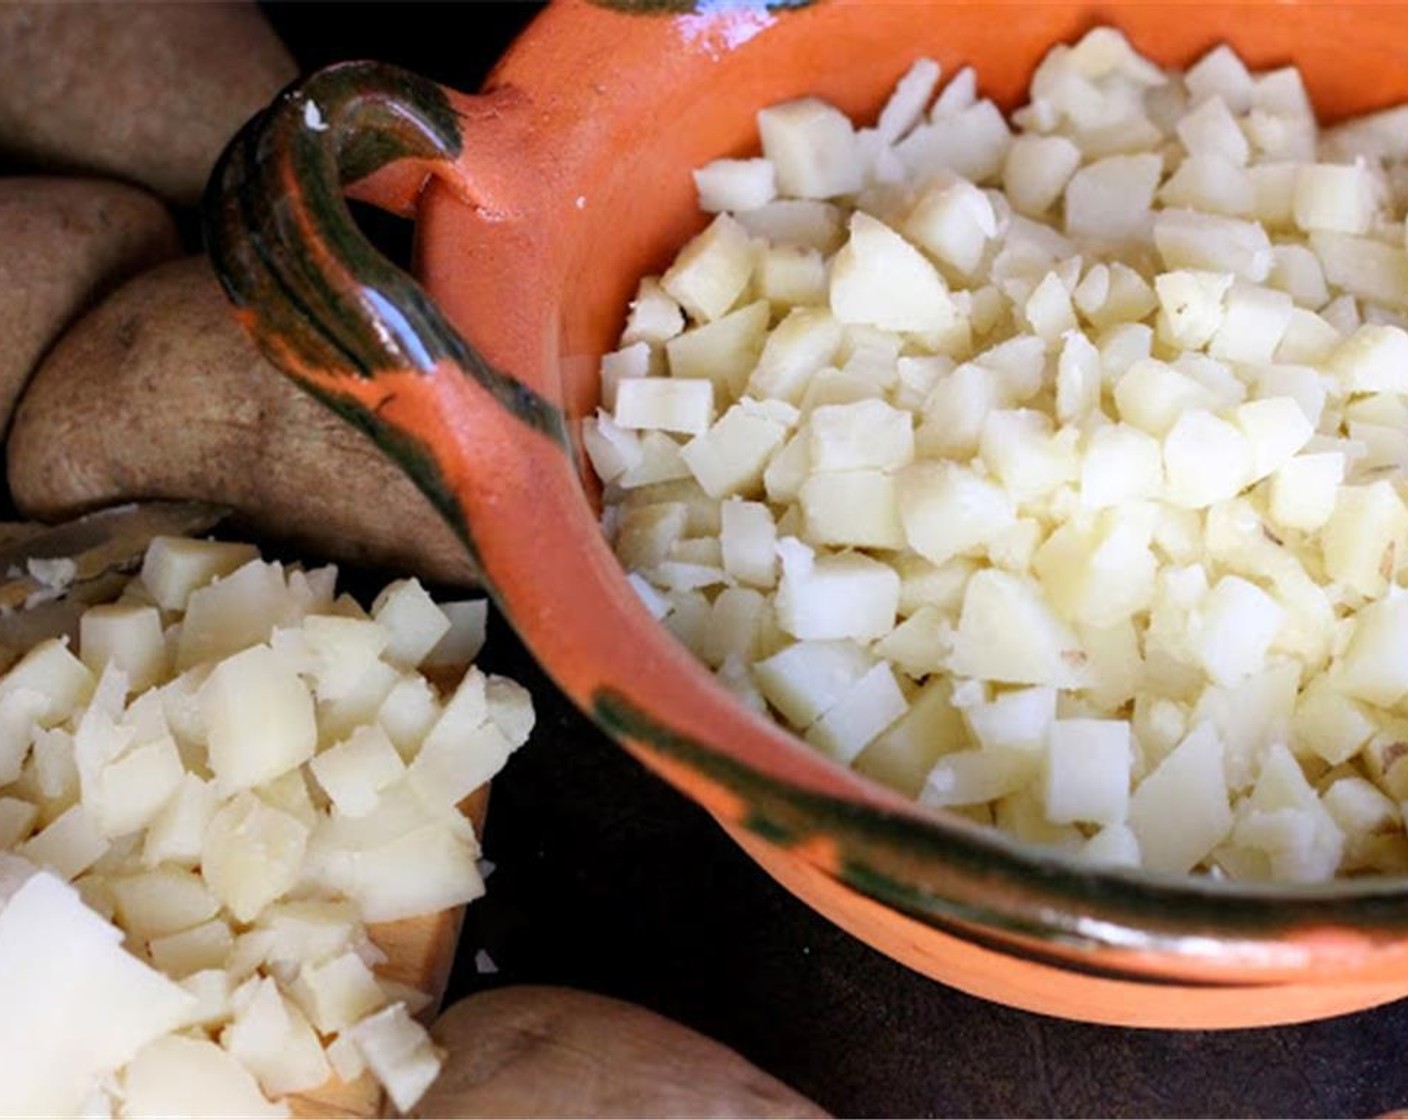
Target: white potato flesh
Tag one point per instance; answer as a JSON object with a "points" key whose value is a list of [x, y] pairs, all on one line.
{"points": [[414, 624], [129, 637], [1086, 772], [812, 148], [712, 271], [735, 184], [260, 719], [881, 280], [53, 1049], [252, 854], [180, 1076], [399, 1052], [272, 1039], [1115, 394], [174, 567]]}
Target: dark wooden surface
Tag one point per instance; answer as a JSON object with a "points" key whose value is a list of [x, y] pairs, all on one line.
{"points": [[607, 880]]}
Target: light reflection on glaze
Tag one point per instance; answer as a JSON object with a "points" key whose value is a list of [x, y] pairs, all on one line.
{"points": [[720, 26], [1273, 955]]}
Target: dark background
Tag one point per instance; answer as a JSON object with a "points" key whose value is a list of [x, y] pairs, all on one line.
{"points": [[607, 880]]}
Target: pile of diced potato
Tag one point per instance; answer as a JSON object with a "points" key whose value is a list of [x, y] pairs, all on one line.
{"points": [[202, 807], [1050, 471]]}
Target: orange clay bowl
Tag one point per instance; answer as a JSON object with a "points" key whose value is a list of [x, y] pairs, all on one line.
{"points": [[538, 204]]}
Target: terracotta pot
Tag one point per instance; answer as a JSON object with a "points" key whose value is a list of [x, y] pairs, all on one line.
{"points": [[538, 204]]}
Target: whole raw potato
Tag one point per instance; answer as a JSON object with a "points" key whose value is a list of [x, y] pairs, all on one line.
{"points": [[66, 242], [539, 1051], [158, 393], [149, 92]]}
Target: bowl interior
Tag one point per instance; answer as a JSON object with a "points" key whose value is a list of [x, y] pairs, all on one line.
{"points": [[620, 108]]}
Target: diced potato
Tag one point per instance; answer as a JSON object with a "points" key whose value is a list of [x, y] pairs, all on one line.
{"points": [[1110, 200], [171, 1072], [337, 993], [648, 403], [1086, 772], [812, 147], [1338, 197], [654, 316], [730, 457], [947, 510], [189, 951], [355, 770], [399, 1052], [1180, 812], [712, 270], [866, 434], [1008, 632], [748, 539], [954, 222], [969, 140], [129, 637], [806, 679], [1365, 539], [735, 184], [859, 714], [851, 508], [1120, 464], [413, 623], [1373, 360], [1187, 239], [174, 567], [880, 279], [1206, 460], [722, 352], [252, 854], [233, 613], [1037, 170], [133, 789], [260, 719], [273, 1040], [844, 596]]}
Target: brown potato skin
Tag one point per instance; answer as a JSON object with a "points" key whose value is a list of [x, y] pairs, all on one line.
{"points": [[66, 242], [540, 1051], [158, 393], [148, 92]]}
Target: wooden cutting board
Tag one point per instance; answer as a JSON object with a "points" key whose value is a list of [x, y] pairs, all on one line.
{"points": [[420, 952]]}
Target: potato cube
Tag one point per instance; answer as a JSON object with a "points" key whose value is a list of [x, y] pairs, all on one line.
{"points": [[355, 770], [1037, 170], [1275, 429], [133, 789], [859, 714], [1337, 197], [1374, 666], [1180, 812], [977, 777], [1220, 73], [1109, 200], [48, 684], [722, 352], [1233, 629], [1365, 540], [1086, 772], [68, 845], [880, 279], [968, 140], [233, 613], [735, 184], [174, 1070], [748, 540], [947, 509], [1304, 490], [129, 637], [252, 854], [1372, 360], [812, 147], [1015, 721], [1206, 460], [954, 222], [805, 680], [1188, 239], [1020, 451], [1363, 267], [1120, 464], [730, 457], [843, 596], [399, 1052], [654, 316], [792, 275], [712, 271], [465, 638], [335, 994], [189, 951], [1329, 723], [801, 223], [854, 508], [174, 567], [413, 623], [260, 718], [665, 404], [1210, 129], [1008, 632], [165, 900], [1253, 324], [273, 1040]]}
